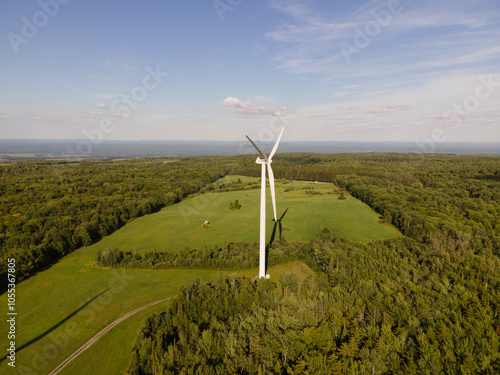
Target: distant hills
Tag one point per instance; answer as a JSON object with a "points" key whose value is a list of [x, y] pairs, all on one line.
{"points": [[70, 149]]}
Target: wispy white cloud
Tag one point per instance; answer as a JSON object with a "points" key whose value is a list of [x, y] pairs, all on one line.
{"points": [[413, 114], [195, 119], [388, 109], [159, 117], [120, 115], [421, 37], [422, 59], [235, 105]]}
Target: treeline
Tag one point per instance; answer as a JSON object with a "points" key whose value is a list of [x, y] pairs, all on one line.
{"points": [[232, 256], [48, 209], [448, 197], [395, 306]]}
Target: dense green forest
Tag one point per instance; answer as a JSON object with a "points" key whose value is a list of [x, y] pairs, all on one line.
{"points": [[428, 303], [48, 209], [392, 306]]}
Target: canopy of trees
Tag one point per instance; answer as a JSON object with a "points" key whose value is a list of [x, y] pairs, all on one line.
{"points": [[232, 256], [394, 306], [49, 209], [428, 303]]}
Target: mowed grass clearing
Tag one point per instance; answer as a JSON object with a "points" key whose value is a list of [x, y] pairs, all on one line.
{"points": [[66, 305], [177, 227]]}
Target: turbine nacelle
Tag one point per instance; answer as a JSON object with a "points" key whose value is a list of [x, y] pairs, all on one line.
{"points": [[263, 161], [268, 160]]}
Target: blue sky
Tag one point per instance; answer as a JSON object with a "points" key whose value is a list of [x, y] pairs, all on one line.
{"points": [[393, 70]]}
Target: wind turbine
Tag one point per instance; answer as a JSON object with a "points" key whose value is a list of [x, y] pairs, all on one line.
{"points": [[265, 161]]}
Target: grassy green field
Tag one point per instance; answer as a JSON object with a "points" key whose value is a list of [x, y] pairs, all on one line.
{"points": [[61, 293], [179, 226], [64, 306]]}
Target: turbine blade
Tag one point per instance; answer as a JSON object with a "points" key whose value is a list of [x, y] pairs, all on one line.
{"points": [[258, 149], [271, 183], [284, 213], [273, 234], [276, 144]]}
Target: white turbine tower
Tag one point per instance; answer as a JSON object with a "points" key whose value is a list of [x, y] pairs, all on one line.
{"points": [[266, 161]]}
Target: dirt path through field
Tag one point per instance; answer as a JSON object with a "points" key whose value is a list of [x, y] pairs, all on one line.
{"points": [[94, 339]]}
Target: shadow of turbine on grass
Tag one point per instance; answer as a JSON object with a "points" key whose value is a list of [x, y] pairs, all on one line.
{"points": [[56, 325], [277, 224]]}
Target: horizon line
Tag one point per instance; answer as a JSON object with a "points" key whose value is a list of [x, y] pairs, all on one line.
{"points": [[228, 141]]}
